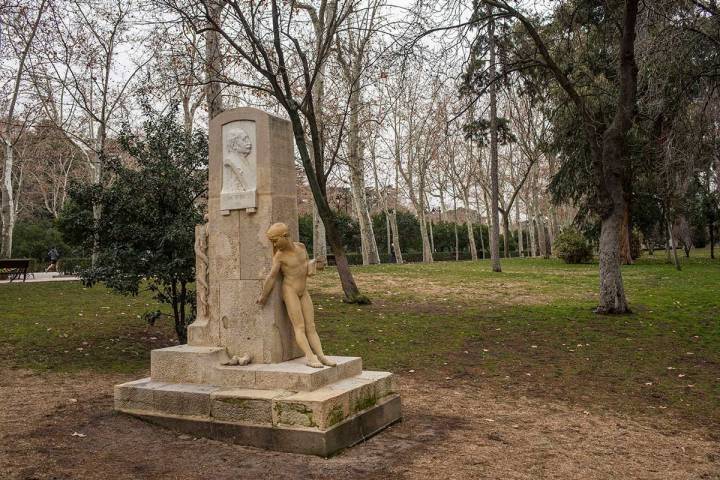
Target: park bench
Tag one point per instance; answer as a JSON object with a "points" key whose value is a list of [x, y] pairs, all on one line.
{"points": [[15, 267]]}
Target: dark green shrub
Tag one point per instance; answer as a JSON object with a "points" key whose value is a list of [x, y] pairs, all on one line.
{"points": [[572, 247], [33, 238]]}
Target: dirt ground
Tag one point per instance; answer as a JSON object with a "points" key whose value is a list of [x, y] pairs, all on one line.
{"points": [[61, 427]]}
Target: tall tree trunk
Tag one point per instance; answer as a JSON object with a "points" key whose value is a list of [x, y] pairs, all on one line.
{"points": [[673, 247], [470, 231], [625, 253], [393, 219], [519, 229], [531, 229], [489, 219], [396, 237], [487, 211], [8, 207], [357, 175], [455, 228], [427, 250], [319, 236], [495, 234], [388, 232], [8, 203], [367, 235], [541, 238], [213, 63], [615, 167], [506, 233], [432, 234]]}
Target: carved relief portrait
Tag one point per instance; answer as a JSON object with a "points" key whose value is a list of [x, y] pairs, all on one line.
{"points": [[240, 143], [239, 165]]}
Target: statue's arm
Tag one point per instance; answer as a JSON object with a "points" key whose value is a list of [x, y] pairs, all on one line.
{"points": [[270, 281]]}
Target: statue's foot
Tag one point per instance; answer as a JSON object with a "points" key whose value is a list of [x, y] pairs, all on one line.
{"points": [[235, 360], [313, 362], [244, 360], [326, 361]]}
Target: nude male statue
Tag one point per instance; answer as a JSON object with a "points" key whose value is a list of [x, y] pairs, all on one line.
{"points": [[291, 259]]}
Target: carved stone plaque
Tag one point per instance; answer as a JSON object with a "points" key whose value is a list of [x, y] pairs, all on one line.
{"points": [[239, 174]]}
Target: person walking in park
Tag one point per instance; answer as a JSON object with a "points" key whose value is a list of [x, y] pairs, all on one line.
{"points": [[53, 256]]}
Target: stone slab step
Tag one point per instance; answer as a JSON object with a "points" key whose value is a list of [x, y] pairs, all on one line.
{"points": [[317, 410], [203, 365], [345, 434]]}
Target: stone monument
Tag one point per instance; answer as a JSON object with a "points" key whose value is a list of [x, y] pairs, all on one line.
{"points": [[242, 377]]}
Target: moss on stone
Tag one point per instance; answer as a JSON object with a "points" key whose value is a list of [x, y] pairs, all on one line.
{"points": [[295, 414], [364, 403], [335, 416]]}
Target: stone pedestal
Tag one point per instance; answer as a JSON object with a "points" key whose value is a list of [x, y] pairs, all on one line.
{"points": [[285, 406], [249, 144], [277, 401]]}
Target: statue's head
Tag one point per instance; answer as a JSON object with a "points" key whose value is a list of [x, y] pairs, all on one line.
{"points": [[279, 236], [240, 143]]}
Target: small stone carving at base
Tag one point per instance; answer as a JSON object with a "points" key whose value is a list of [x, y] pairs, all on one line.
{"points": [[235, 360], [291, 260]]}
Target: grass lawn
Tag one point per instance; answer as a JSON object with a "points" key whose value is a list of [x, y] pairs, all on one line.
{"points": [[527, 331]]}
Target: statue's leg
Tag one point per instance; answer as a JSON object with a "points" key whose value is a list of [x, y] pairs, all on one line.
{"points": [[295, 312], [310, 331]]}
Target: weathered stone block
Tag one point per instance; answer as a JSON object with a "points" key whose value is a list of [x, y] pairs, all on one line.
{"points": [[185, 363], [329, 405], [244, 405], [137, 395], [183, 399]]}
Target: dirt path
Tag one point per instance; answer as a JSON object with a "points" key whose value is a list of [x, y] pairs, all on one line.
{"points": [[450, 431]]}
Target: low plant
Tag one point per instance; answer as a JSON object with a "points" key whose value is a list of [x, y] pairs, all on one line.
{"points": [[572, 247]]}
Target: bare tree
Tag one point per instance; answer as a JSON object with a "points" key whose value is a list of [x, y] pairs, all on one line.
{"points": [[494, 181], [352, 54], [80, 79], [415, 136], [464, 175], [21, 42], [286, 59], [51, 163]]}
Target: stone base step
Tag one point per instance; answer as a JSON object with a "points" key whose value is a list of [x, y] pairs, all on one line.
{"points": [[203, 366], [328, 418], [351, 431]]}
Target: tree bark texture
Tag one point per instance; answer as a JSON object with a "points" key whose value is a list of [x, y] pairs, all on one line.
{"points": [[319, 236], [8, 207], [615, 166], [396, 236], [495, 188], [519, 229], [506, 233], [8, 203], [213, 63], [367, 235], [470, 231], [531, 229]]}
